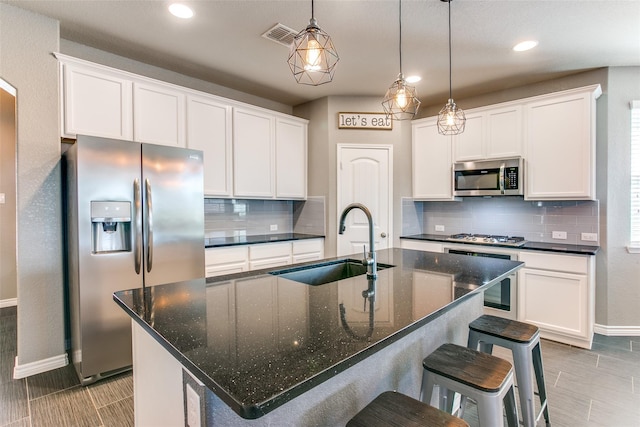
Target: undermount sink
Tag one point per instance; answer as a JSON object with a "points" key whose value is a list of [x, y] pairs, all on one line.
{"points": [[326, 272]]}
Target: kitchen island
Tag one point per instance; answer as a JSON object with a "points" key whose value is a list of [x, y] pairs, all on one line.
{"points": [[258, 348]]}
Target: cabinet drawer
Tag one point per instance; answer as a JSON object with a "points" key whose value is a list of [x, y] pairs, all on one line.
{"points": [[226, 255], [567, 263], [269, 250], [421, 245], [307, 246]]}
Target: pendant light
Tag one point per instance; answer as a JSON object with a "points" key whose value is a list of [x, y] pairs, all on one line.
{"points": [[451, 119], [401, 100], [312, 57]]}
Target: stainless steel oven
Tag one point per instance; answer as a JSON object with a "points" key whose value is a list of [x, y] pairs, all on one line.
{"points": [[501, 298]]}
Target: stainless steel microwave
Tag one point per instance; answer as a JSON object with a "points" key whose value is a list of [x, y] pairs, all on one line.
{"points": [[503, 177]]}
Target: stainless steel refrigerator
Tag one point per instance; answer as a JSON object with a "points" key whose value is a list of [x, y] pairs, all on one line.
{"points": [[135, 217]]}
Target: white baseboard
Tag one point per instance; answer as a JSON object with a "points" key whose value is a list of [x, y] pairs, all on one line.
{"points": [[617, 331], [39, 366], [9, 302]]}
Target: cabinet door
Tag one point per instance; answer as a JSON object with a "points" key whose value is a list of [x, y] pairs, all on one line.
{"points": [[554, 301], [291, 159], [560, 149], [432, 165], [96, 103], [469, 145], [226, 260], [158, 114], [253, 153], [209, 130], [418, 245], [504, 132]]}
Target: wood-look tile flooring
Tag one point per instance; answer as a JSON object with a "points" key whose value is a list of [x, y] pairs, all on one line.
{"points": [[590, 388], [56, 398]]}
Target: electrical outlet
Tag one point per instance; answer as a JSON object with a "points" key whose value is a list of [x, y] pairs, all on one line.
{"points": [[439, 227], [562, 235], [193, 407], [589, 237], [273, 227]]}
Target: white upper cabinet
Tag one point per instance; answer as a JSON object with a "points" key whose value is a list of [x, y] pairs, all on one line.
{"points": [[248, 151], [96, 102], [253, 153], [291, 159], [209, 130], [491, 133], [560, 146], [269, 155], [158, 114], [432, 165]]}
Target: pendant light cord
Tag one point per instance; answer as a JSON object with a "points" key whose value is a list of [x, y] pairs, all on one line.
{"points": [[449, 1], [400, 38], [312, 15]]}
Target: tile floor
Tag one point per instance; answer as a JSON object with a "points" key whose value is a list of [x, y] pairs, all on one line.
{"points": [[590, 388]]}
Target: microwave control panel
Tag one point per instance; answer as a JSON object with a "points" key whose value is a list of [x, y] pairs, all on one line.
{"points": [[511, 178]]}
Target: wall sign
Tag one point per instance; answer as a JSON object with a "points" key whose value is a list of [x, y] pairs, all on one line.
{"points": [[365, 121]]}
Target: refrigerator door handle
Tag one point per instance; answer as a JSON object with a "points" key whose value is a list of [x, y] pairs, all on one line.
{"points": [[137, 205], [149, 226]]}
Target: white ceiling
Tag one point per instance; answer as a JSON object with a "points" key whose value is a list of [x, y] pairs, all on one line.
{"points": [[223, 42]]}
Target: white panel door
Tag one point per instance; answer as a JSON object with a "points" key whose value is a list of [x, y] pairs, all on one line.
{"points": [[365, 176]]}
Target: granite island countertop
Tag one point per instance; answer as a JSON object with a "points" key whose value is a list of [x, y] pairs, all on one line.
{"points": [[258, 340]]}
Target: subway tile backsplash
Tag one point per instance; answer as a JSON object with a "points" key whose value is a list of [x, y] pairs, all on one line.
{"points": [[238, 217], [535, 221]]}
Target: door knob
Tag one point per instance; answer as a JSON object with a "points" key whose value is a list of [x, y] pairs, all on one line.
{"points": [[383, 235]]}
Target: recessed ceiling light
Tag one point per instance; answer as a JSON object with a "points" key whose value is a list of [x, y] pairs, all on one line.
{"points": [[181, 11], [413, 79], [525, 45]]}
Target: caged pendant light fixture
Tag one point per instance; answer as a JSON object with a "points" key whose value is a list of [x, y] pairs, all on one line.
{"points": [[451, 119], [312, 57], [401, 100]]}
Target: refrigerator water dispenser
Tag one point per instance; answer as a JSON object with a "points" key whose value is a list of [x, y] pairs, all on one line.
{"points": [[110, 227]]}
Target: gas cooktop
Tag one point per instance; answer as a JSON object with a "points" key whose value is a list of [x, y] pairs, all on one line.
{"points": [[487, 239]]}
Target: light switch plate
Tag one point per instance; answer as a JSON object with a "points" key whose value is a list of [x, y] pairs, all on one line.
{"points": [[2, 199], [589, 237], [439, 227]]}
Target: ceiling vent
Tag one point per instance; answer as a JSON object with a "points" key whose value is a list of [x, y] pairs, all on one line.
{"points": [[280, 34]]}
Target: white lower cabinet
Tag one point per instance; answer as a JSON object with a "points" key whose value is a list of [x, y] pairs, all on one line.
{"points": [[226, 260], [307, 250], [418, 245], [236, 259], [557, 294], [269, 255]]}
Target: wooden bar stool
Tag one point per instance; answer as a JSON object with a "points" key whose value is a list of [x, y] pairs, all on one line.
{"points": [[524, 341], [482, 377], [396, 409]]}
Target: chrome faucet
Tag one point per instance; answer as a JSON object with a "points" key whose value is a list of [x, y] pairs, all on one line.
{"points": [[370, 257]]}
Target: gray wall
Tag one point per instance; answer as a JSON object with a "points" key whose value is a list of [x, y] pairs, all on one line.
{"points": [[26, 43], [618, 274]]}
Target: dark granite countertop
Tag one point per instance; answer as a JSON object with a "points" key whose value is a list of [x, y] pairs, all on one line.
{"points": [[216, 242], [533, 246], [258, 340]]}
